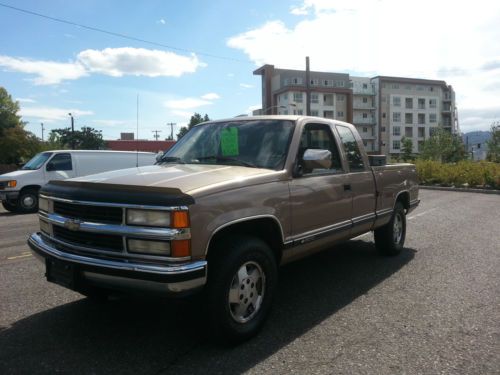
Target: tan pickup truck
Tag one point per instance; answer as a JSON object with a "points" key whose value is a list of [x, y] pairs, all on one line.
{"points": [[221, 210]]}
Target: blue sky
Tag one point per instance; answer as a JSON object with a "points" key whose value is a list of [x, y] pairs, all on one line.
{"points": [[53, 68]]}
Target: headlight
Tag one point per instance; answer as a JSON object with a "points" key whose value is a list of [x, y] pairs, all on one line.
{"points": [[43, 204], [12, 183], [148, 218], [149, 247]]}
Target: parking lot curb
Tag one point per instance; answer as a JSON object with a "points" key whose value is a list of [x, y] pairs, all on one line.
{"points": [[463, 190]]}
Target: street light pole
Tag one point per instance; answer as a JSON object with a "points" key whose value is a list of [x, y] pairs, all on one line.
{"points": [[72, 131]]}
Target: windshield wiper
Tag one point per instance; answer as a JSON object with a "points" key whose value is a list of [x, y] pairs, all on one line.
{"points": [[227, 158], [170, 159]]}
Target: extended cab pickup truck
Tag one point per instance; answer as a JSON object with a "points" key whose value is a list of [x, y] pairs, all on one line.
{"points": [[231, 201]]}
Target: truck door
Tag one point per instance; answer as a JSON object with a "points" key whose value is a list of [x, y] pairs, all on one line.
{"points": [[320, 203], [361, 182], [59, 167]]}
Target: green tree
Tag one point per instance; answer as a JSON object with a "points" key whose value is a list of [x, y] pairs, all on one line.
{"points": [[444, 147], [407, 149], [195, 120], [16, 144], [85, 139], [494, 143]]}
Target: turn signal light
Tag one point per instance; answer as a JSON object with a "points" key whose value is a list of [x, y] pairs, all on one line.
{"points": [[180, 248], [180, 219]]}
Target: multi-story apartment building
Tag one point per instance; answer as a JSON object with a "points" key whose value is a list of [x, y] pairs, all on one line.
{"points": [[284, 92], [412, 108], [384, 109]]}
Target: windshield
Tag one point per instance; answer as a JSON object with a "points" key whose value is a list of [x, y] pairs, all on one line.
{"points": [[37, 161], [251, 143]]}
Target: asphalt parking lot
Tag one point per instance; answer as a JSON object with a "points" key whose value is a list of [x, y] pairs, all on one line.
{"points": [[434, 309]]}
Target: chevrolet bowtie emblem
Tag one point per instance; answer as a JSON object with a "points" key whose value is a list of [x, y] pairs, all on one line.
{"points": [[72, 224]]}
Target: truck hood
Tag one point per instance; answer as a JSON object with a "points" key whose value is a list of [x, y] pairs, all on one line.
{"points": [[15, 174], [188, 178]]}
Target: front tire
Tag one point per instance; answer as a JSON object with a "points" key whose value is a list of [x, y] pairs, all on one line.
{"points": [[241, 282], [390, 239], [9, 206], [27, 201]]}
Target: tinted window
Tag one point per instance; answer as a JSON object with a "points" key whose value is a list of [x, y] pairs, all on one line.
{"points": [[60, 162], [320, 137], [351, 149]]}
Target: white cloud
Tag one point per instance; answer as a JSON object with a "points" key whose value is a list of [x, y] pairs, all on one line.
{"points": [[47, 72], [51, 114], [161, 21], [25, 100], [187, 103], [210, 96], [246, 85], [368, 38], [118, 62], [182, 114], [115, 62]]}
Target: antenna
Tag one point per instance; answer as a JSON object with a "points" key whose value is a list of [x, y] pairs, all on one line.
{"points": [[137, 136]]}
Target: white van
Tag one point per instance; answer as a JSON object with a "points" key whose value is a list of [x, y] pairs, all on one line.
{"points": [[19, 189]]}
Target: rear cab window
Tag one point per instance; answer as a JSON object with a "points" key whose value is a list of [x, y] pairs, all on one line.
{"points": [[351, 149]]}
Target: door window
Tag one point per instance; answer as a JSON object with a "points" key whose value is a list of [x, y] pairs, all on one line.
{"points": [[60, 162], [320, 137]]}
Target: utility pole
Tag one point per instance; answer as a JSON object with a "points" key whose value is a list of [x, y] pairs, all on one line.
{"points": [[156, 134], [308, 89], [171, 124], [72, 131], [42, 130]]}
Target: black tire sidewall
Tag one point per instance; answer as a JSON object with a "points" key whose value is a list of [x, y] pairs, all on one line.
{"points": [[21, 207]]}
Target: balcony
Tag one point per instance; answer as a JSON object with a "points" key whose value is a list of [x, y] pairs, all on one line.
{"points": [[363, 106], [357, 91], [363, 121]]}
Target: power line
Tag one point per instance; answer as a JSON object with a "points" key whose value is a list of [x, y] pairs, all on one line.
{"points": [[124, 36]]}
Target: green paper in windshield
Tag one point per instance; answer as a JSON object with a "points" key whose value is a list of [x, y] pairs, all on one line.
{"points": [[229, 142]]}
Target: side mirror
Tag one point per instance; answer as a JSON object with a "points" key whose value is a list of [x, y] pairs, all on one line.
{"points": [[159, 155], [317, 159]]}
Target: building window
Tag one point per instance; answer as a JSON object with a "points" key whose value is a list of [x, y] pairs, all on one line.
{"points": [[314, 82], [432, 131], [431, 88], [432, 103], [340, 83], [285, 96], [432, 118], [396, 101], [297, 97], [340, 98], [421, 118], [420, 88], [384, 99], [365, 115], [300, 112], [365, 129], [383, 115], [409, 103], [396, 130], [382, 129], [396, 145], [408, 118], [297, 81], [340, 114], [314, 113], [421, 103], [365, 85], [365, 100], [395, 85], [314, 98], [408, 87], [396, 116], [421, 132], [408, 132]]}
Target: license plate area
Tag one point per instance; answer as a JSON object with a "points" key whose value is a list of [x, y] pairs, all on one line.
{"points": [[61, 273]]}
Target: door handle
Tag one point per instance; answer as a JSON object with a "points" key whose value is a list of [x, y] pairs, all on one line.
{"points": [[347, 187]]}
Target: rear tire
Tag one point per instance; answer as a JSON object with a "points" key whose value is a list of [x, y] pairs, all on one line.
{"points": [[9, 206], [241, 282], [27, 202], [390, 239]]}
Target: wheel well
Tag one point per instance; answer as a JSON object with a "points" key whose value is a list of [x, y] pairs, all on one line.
{"points": [[31, 187], [266, 229], [404, 198]]}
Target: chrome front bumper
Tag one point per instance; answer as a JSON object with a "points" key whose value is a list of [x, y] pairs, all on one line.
{"points": [[166, 279]]}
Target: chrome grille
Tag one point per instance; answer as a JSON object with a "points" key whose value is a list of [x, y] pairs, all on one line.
{"points": [[100, 241], [96, 214]]}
